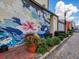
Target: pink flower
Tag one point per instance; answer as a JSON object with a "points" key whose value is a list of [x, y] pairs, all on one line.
{"points": [[28, 26]]}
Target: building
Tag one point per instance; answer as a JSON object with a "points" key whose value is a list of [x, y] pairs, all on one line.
{"points": [[43, 3], [61, 25], [68, 25], [54, 24], [54, 18], [20, 17]]}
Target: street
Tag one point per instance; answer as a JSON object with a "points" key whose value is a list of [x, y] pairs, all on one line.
{"points": [[70, 50]]}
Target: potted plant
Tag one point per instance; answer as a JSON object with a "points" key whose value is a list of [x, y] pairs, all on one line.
{"points": [[31, 41]]}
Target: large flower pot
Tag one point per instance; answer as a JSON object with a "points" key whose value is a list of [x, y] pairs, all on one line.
{"points": [[31, 48]]}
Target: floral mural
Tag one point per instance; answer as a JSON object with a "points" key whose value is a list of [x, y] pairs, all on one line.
{"points": [[20, 18]]}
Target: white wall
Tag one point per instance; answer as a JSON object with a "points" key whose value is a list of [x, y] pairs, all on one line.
{"points": [[60, 27]]}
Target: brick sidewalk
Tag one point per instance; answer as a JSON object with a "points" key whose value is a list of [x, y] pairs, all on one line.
{"points": [[17, 53]]}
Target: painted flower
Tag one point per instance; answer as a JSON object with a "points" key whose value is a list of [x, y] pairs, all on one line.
{"points": [[29, 26]]}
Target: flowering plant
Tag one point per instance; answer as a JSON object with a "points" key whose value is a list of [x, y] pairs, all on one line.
{"points": [[31, 39]]}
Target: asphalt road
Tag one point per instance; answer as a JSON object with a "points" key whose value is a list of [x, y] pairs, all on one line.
{"points": [[69, 50]]}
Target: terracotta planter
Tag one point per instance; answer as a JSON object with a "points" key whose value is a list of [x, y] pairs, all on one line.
{"points": [[31, 48]]}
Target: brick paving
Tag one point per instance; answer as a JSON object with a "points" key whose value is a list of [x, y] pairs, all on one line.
{"points": [[70, 50], [17, 53]]}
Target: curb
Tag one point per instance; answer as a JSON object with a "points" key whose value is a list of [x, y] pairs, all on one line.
{"points": [[55, 48]]}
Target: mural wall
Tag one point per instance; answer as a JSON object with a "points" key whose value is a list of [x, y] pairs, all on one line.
{"points": [[18, 18]]}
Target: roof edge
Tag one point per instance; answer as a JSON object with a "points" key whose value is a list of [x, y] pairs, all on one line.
{"points": [[36, 3]]}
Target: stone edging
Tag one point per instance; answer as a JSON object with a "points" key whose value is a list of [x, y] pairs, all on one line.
{"points": [[54, 48]]}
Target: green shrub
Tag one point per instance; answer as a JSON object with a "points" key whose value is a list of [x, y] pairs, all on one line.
{"points": [[70, 32], [57, 33], [41, 50], [42, 42], [42, 46], [63, 34], [56, 40], [67, 34], [49, 41], [61, 37]]}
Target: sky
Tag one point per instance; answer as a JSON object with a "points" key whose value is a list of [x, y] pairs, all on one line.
{"points": [[72, 15]]}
